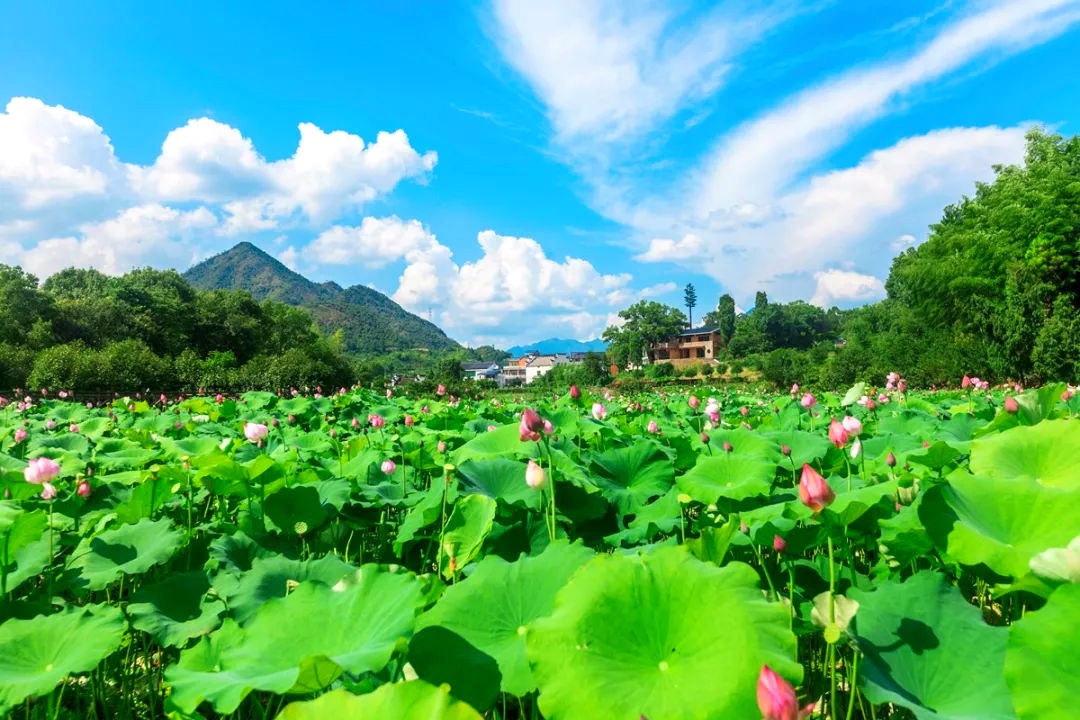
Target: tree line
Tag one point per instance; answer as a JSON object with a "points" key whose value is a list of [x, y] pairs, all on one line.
{"points": [[994, 291]]}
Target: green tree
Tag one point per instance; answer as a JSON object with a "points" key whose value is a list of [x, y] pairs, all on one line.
{"points": [[690, 301], [645, 323], [723, 317]]}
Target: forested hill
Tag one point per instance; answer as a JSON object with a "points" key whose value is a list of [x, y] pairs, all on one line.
{"points": [[369, 321]]}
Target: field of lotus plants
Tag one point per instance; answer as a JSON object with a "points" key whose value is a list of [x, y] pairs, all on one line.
{"points": [[875, 553]]}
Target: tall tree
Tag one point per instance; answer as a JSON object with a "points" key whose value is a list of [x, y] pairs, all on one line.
{"points": [[723, 317], [645, 323], [690, 300], [760, 300]]}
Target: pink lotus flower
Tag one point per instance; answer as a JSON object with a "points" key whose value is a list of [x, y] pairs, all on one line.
{"points": [[50, 424], [902, 385], [794, 389], [744, 411], [870, 404], [778, 544], [162, 398], [491, 428], [219, 398], [705, 438], [966, 382], [83, 490], [652, 427], [808, 401], [837, 434], [409, 421], [41, 470], [575, 393], [388, 467], [1011, 406], [814, 491], [355, 423], [376, 421], [441, 447], [73, 428], [255, 432], [693, 402], [852, 424], [441, 390], [534, 476], [599, 412], [890, 460], [785, 451], [531, 420], [548, 427], [426, 409], [389, 393], [776, 698], [856, 448], [48, 492], [883, 399], [727, 446]]}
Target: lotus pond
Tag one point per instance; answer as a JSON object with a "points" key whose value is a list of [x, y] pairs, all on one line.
{"points": [[660, 556]]}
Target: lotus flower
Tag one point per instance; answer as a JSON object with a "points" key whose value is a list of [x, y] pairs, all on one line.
{"points": [[219, 398], [653, 428], [727, 446], [794, 389], [1011, 406], [441, 447], [776, 698], [376, 421], [966, 382], [534, 476], [744, 411], [870, 404], [409, 421], [48, 492], [20, 435], [83, 490], [778, 544], [575, 393], [785, 450], [890, 460], [856, 448], [705, 438], [50, 424], [548, 427], [41, 470], [808, 401], [73, 428], [388, 467], [902, 385], [531, 420], [852, 425], [255, 432], [441, 390], [599, 411], [491, 428], [838, 436], [693, 402], [814, 491]]}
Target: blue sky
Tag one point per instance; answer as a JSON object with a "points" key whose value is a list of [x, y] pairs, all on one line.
{"points": [[517, 169]]}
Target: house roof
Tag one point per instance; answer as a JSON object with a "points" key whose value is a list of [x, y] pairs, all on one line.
{"points": [[704, 330], [473, 366], [543, 361]]}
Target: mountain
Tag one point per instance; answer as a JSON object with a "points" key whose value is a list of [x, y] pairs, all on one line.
{"points": [[557, 345], [370, 322]]}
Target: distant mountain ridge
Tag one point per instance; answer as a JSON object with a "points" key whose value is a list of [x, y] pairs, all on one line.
{"points": [[370, 321], [558, 345]]}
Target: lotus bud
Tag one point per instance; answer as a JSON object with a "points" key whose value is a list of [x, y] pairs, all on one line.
{"points": [[255, 432], [705, 438], [653, 428], [1011, 406], [785, 450], [890, 460], [808, 401], [856, 448], [548, 427], [599, 412], [776, 698], [693, 402], [966, 382], [388, 467], [534, 476], [852, 425], [727, 446], [778, 544], [814, 491], [275, 422], [20, 435], [83, 490], [575, 393], [744, 411], [441, 447], [409, 421], [73, 428], [837, 434]]}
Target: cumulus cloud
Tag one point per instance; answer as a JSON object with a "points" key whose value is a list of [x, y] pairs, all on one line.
{"points": [[374, 243], [845, 287], [658, 289], [513, 291], [330, 173], [152, 234]]}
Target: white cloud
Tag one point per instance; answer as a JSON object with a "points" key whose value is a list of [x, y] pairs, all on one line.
{"points": [[152, 235], [375, 243], [658, 289], [49, 156], [845, 286], [330, 173], [513, 291], [607, 69], [838, 213], [289, 257], [903, 242], [758, 160]]}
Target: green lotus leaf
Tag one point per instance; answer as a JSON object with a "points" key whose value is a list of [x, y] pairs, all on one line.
{"points": [[466, 528], [661, 635], [442, 657], [423, 514], [1045, 453], [757, 445], [415, 700], [295, 510], [38, 653], [502, 441], [713, 543], [300, 643], [145, 499], [1042, 661], [122, 454], [499, 478], [493, 606], [928, 650], [806, 447], [274, 577], [631, 476], [727, 475], [999, 522], [18, 528], [176, 609], [129, 549]]}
